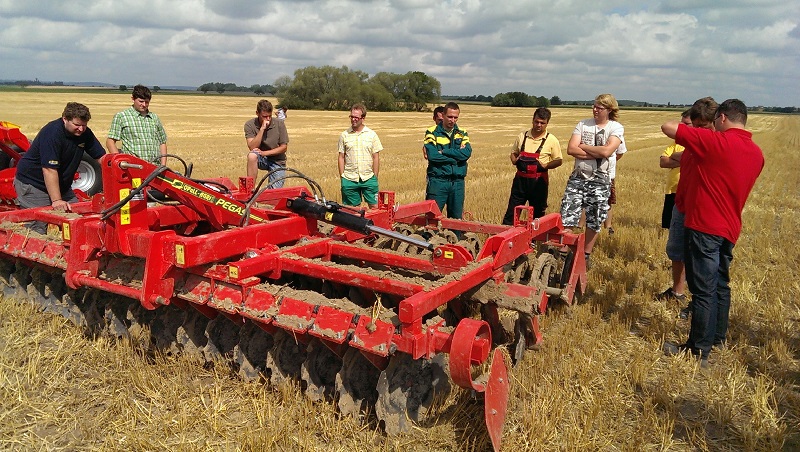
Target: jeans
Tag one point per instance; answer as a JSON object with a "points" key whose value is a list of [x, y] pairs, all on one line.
{"points": [[676, 241], [708, 260], [267, 164]]}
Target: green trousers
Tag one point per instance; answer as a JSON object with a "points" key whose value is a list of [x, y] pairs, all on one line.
{"points": [[447, 192]]}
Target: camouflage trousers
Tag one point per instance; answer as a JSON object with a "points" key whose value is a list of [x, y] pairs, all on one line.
{"points": [[589, 195]]}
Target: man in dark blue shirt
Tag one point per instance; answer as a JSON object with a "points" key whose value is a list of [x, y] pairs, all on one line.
{"points": [[46, 171]]}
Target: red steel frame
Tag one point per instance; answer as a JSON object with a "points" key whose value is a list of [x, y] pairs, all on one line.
{"points": [[221, 272], [10, 137]]}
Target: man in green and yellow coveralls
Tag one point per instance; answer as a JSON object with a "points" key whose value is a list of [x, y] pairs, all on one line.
{"points": [[448, 149]]}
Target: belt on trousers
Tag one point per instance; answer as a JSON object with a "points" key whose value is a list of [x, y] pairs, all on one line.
{"points": [[448, 177], [532, 175]]}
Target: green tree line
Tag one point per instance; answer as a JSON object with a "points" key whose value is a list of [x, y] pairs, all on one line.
{"points": [[332, 88], [520, 99], [232, 87]]}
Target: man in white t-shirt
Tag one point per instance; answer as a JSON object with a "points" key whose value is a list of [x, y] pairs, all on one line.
{"points": [[593, 142]]}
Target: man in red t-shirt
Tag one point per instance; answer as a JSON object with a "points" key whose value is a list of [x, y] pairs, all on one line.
{"points": [[718, 170]]}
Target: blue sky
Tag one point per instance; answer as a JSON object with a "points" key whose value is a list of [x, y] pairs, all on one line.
{"points": [[658, 52]]}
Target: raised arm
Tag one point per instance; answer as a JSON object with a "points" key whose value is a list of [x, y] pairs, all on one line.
{"points": [[670, 128]]}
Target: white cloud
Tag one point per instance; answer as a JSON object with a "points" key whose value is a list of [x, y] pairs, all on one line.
{"points": [[669, 51]]}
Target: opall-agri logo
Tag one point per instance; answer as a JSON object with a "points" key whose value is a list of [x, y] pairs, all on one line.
{"points": [[225, 203]]}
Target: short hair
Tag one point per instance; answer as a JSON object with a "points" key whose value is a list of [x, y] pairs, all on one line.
{"points": [[704, 110], [360, 107], [608, 101], [75, 110], [264, 106], [542, 113], [451, 106], [437, 110], [142, 92], [686, 113], [734, 109]]}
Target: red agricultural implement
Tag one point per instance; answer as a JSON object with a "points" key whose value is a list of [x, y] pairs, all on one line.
{"points": [[373, 309], [13, 143]]}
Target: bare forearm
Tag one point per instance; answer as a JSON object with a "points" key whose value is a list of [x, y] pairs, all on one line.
{"points": [[255, 142], [51, 183], [163, 150], [667, 162], [111, 145], [275, 151], [597, 152], [554, 164], [578, 153]]}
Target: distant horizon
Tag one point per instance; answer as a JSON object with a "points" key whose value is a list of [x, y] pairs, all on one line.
{"points": [[96, 84]]}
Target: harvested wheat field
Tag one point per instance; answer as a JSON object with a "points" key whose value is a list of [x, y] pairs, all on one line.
{"points": [[599, 382]]}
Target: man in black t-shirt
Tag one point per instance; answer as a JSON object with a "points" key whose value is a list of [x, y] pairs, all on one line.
{"points": [[46, 171]]}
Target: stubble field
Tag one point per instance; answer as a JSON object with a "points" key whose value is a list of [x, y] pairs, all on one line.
{"points": [[600, 381]]}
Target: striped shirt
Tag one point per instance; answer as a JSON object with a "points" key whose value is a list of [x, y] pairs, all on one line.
{"points": [[141, 135], [358, 148]]}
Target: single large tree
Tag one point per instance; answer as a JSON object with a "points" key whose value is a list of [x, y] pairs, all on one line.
{"points": [[421, 90], [332, 88]]}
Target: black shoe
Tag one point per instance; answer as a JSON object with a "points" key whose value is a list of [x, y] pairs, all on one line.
{"points": [[670, 294], [610, 231], [671, 349], [685, 312]]}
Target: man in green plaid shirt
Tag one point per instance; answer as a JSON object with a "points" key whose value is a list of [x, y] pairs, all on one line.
{"points": [[139, 129]]}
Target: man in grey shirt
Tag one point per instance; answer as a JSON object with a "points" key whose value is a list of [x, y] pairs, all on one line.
{"points": [[267, 141]]}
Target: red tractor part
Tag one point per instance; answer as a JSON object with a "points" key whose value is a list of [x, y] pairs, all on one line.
{"points": [[373, 308]]}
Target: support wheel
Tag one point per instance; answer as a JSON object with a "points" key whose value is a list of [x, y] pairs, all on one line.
{"points": [[89, 176], [319, 371], [545, 269], [355, 384], [408, 389]]}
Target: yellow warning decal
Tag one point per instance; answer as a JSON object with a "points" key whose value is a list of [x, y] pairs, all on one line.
{"points": [[328, 216], [125, 211], [180, 257], [136, 182], [65, 231], [448, 254], [233, 272]]}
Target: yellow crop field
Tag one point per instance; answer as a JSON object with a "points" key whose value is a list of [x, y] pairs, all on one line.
{"points": [[599, 381]]}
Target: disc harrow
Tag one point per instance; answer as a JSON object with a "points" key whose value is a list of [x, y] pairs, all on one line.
{"points": [[378, 311]]}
